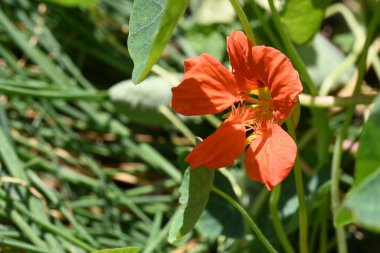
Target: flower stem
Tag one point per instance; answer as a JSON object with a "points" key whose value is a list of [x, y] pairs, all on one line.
{"points": [[244, 21], [303, 222], [273, 205], [247, 218]]}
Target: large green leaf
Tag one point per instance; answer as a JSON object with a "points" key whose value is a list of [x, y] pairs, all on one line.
{"points": [[195, 190], [119, 250], [302, 18], [150, 27], [368, 157], [75, 3], [362, 205], [220, 217], [140, 102]]}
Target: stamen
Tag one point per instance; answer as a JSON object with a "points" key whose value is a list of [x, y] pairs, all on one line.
{"points": [[264, 127]]}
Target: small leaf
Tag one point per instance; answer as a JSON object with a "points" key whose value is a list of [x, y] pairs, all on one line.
{"points": [[75, 3], [303, 18], [344, 217], [220, 217], [151, 25], [195, 190], [140, 102], [119, 250], [362, 204], [368, 157]]}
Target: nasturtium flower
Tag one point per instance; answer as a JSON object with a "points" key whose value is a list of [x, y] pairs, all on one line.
{"points": [[261, 91]]}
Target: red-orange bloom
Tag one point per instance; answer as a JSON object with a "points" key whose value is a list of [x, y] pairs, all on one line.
{"points": [[261, 91]]}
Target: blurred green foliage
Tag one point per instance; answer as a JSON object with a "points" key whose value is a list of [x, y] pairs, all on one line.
{"points": [[84, 166]]}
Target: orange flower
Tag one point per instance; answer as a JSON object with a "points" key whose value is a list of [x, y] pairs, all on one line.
{"points": [[261, 91]]}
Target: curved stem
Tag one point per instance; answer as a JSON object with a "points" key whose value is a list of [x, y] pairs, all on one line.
{"points": [[358, 32], [303, 222], [335, 174], [247, 218], [273, 205], [244, 21]]}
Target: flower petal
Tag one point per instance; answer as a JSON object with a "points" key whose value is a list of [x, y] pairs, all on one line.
{"points": [[207, 87], [270, 157], [239, 49], [276, 71], [221, 148]]}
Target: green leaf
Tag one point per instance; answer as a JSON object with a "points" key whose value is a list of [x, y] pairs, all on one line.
{"points": [[140, 102], [220, 217], [362, 204], [150, 27], [75, 3], [119, 250], [195, 191], [302, 18], [344, 217], [368, 157], [207, 40]]}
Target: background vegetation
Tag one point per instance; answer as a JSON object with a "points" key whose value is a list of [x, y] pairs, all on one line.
{"points": [[84, 166]]}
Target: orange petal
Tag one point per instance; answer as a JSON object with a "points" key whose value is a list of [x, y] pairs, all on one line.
{"points": [[207, 87], [276, 71], [270, 157], [221, 148], [239, 49]]}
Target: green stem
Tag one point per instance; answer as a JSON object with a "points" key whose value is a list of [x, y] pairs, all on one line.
{"points": [[303, 222], [273, 205], [51, 94], [272, 37], [335, 173], [324, 226], [330, 101], [319, 116], [213, 120], [247, 218], [244, 21]]}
